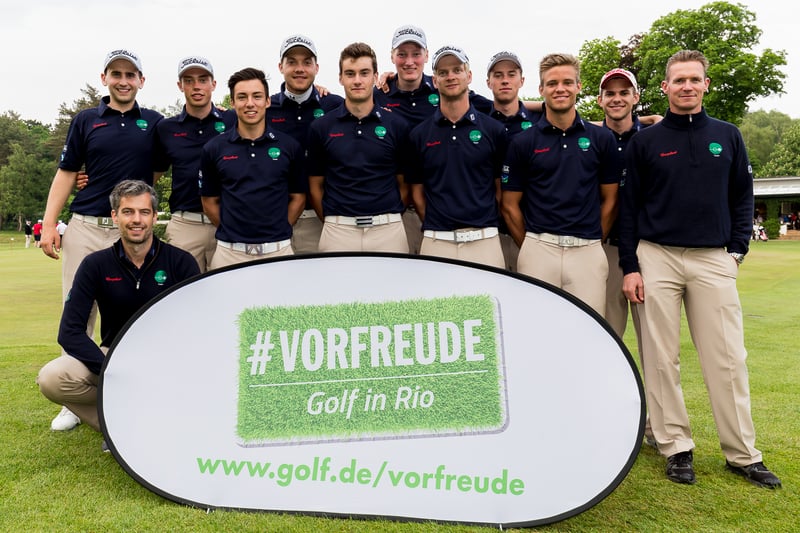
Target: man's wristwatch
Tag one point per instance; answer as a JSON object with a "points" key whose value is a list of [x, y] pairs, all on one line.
{"points": [[739, 258]]}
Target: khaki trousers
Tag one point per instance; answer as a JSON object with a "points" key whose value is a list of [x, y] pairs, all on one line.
{"points": [[483, 251], [704, 280], [225, 256], [66, 381], [389, 237], [306, 232], [580, 270], [195, 237]]}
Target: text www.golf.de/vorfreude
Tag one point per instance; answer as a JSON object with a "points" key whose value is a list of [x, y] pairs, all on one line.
{"points": [[321, 470]]}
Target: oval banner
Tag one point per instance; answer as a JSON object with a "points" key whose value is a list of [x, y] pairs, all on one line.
{"points": [[374, 385]]}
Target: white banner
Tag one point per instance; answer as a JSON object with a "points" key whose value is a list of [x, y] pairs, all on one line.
{"points": [[374, 385]]}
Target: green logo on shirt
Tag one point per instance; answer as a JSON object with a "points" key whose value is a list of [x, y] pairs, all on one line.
{"points": [[219, 127], [433, 99], [274, 152], [475, 136], [318, 113], [584, 143], [380, 131], [715, 149], [160, 277], [525, 125], [142, 124]]}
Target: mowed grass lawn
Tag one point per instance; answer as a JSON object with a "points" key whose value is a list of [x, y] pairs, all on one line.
{"points": [[61, 481]]}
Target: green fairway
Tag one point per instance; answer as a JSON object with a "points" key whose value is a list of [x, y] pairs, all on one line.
{"points": [[61, 481]]}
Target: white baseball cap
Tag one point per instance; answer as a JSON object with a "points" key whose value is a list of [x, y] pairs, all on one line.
{"points": [[127, 55], [449, 50], [298, 40], [194, 62], [503, 56], [409, 34]]}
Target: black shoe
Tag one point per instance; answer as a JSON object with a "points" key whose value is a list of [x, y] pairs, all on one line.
{"points": [[757, 474], [679, 468], [104, 447]]}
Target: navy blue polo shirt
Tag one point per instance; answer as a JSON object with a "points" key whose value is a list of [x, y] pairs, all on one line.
{"points": [[458, 165], [179, 143], [359, 160], [414, 106], [289, 116], [113, 146], [622, 141], [560, 173], [520, 121], [253, 179], [419, 104]]}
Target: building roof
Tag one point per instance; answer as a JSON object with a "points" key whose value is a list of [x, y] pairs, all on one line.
{"points": [[786, 186]]}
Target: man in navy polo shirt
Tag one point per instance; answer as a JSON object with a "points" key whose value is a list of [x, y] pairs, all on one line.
{"points": [[456, 166], [112, 142], [292, 111], [355, 154], [251, 181], [505, 79], [560, 189], [411, 94], [179, 143]]}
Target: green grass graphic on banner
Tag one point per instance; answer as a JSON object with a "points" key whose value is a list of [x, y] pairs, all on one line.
{"points": [[370, 370]]}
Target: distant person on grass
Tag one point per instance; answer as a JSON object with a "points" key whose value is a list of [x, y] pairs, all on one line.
{"points": [[121, 279]]}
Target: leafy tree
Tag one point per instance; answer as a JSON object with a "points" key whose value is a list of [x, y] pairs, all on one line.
{"points": [[26, 133], [91, 98], [24, 184], [785, 159], [762, 132], [726, 33]]}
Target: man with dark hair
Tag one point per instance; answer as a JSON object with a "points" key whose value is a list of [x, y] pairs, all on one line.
{"points": [[687, 167], [179, 144], [251, 179], [121, 279], [355, 156]]}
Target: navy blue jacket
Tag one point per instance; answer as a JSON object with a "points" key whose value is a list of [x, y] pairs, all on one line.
{"points": [[120, 290], [688, 184]]}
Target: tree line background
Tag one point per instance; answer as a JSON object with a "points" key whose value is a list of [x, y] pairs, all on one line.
{"points": [[726, 33]]}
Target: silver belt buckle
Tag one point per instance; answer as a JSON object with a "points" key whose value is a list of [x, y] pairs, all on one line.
{"points": [[467, 235], [105, 222], [363, 221], [566, 240], [254, 249]]}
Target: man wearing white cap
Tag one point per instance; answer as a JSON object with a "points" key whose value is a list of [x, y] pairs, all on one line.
{"points": [[179, 143], [113, 141], [505, 79], [455, 169], [294, 108]]}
